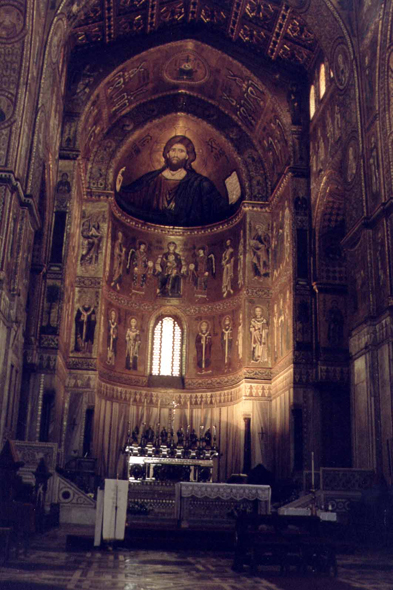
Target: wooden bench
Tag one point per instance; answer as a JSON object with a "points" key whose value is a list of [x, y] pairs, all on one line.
{"points": [[285, 541], [17, 519], [5, 540]]}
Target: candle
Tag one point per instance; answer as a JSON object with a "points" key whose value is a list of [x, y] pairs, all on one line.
{"points": [[312, 470]]}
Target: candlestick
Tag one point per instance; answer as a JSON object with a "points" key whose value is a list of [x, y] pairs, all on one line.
{"points": [[312, 470]]}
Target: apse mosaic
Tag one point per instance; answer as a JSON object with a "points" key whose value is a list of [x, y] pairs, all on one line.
{"points": [[197, 269], [190, 175], [200, 275], [236, 125]]}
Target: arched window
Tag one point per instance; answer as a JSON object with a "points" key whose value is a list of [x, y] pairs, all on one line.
{"points": [[312, 101], [322, 81], [167, 341]]}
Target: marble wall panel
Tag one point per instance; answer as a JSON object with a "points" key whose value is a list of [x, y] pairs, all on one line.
{"points": [[374, 177], [282, 323], [385, 395], [381, 277], [358, 281], [332, 326], [282, 238], [363, 417]]}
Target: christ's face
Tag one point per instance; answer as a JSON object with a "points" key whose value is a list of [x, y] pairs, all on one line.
{"points": [[177, 156]]}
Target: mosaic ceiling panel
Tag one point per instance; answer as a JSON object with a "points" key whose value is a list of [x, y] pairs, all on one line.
{"points": [[273, 28]]}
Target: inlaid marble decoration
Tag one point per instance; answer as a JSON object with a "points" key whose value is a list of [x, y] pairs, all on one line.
{"points": [[56, 564]]}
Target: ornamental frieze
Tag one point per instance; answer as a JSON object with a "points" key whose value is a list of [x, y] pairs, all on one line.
{"points": [[210, 399], [257, 390], [257, 373], [80, 381], [333, 373], [82, 364], [47, 363], [49, 341], [190, 310], [304, 375], [87, 282]]}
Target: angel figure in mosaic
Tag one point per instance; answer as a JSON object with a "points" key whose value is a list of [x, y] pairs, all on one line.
{"points": [[118, 261], [227, 261], [140, 266]]}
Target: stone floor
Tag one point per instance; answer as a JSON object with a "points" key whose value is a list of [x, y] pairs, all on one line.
{"points": [[49, 566]]}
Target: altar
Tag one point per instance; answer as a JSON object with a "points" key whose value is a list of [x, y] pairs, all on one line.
{"points": [[173, 482], [194, 504], [216, 504]]}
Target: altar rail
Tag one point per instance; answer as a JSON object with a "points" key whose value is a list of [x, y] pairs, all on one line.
{"points": [[31, 453], [336, 479], [336, 489]]}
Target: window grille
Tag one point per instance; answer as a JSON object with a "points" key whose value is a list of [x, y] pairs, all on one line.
{"points": [[167, 348]]}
